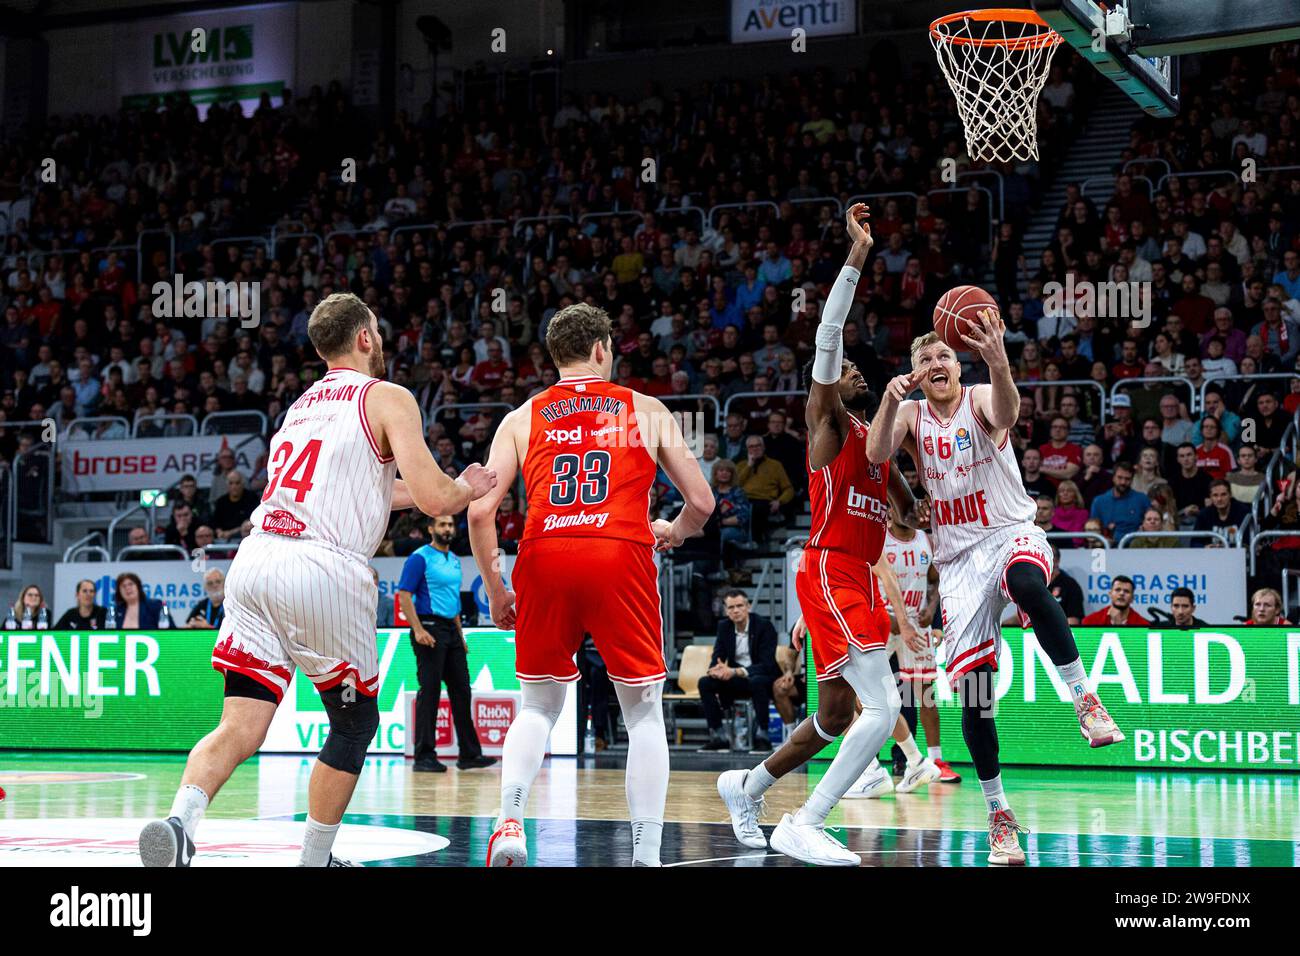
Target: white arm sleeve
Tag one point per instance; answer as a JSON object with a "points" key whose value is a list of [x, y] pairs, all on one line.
{"points": [[829, 359]]}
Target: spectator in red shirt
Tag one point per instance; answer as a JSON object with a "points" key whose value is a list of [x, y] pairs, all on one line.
{"points": [[1119, 612], [1062, 458], [1129, 364], [661, 377], [488, 373], [1212, 454], [1266, 609], [510, 522]]}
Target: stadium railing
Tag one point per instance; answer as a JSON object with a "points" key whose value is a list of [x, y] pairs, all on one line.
{"points": [[621, 214], [1110, 180], [6, 515], [522, 226], [1283, 457], [1123, 542], [290, 233], [1086, 382], [1071, 535], [87, 545], [1258, 377], [1149, 161], [820, 201], [215, 423], [757, 204], [171, 241], [864, 197], [437, 410], [1195, 173], [222, 550], [1288, 608], [145, 425], [1157, 379], [726, 407], [1002, 187], [42, 509], [265, 242], [1260, 536], [697, 398], [89, 425], [149, 521], [135, 550], [963, 190]]}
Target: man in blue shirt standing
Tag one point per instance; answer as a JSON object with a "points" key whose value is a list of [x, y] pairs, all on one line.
{"points": [[1120, 512], [429, 595]]}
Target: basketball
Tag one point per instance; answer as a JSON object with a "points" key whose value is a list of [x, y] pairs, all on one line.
{"points": [[957, 308]]}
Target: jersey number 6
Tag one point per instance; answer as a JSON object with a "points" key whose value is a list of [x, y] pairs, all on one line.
{"points": [[569, 480]]}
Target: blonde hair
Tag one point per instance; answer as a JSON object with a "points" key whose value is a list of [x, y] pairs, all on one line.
{"points": [[335, 322], [722, 463], [1078, 498], [921, 341]]}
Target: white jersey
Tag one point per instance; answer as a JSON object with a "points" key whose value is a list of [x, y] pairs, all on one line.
{"points": [[973, 484], [911, 563], [327, 482]]}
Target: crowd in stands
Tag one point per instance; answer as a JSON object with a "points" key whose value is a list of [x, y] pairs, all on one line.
{"points": [[538, 206]]}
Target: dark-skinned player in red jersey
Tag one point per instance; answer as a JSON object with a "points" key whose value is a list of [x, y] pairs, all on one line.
{"points": [[846, 616]]}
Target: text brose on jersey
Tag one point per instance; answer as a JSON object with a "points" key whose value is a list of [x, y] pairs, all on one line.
{"points": [[587, 471], [849, 499]]}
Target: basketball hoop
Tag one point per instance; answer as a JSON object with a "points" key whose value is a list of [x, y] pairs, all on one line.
{"points": [[996, 63]]}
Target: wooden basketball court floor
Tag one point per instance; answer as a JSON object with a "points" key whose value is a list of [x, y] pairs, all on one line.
{"points": [[85, 809]]}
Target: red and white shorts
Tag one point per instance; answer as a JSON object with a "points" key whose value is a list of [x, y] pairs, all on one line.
{"points": [[605, 587], [292, 603], [841, 606], [916, 666], [973, 592]]}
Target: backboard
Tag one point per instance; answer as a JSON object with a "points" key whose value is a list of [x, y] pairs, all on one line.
{"points": [[1136, 43]]}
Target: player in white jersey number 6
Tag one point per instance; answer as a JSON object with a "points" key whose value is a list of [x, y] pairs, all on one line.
{"points": [[300, 594], [987, 548]]}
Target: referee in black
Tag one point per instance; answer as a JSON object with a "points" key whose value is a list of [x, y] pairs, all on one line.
{"points": [[429, 595]]}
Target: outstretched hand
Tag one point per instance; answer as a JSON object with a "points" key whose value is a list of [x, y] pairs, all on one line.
{"points": [[986, 337], [901, 386], [857, 221]]}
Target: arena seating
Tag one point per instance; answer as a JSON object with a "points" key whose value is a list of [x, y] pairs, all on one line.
{"points": [[701, 223]]}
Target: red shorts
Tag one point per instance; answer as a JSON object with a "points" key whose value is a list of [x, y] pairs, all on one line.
{"points": [[605, 587], [837, 595]]}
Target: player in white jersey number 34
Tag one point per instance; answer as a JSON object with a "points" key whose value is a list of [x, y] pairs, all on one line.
{"points": [[987, 548], [300, 594]]}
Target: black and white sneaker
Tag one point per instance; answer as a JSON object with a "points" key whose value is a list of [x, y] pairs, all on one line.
{"points": [[165, 843], [335, 861]]}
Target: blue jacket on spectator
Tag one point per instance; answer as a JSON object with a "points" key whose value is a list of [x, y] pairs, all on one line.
{"points": [[151, 611], [1124, 513]]}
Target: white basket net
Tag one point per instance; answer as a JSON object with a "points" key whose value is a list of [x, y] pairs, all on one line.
{"points": [[996, 63]]}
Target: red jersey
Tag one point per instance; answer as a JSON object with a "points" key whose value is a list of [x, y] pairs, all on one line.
{"points": [[850, 500], [1100, 619], [587, 472]]}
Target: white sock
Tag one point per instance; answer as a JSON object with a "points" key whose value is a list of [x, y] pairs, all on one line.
{"points": [[993, 795], [646, 835], [525, 744], [189, 805], [869, 675], [646, 779], [317, 843], [935, 752], [1075, 678], [758, 781], [910, 750]]}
